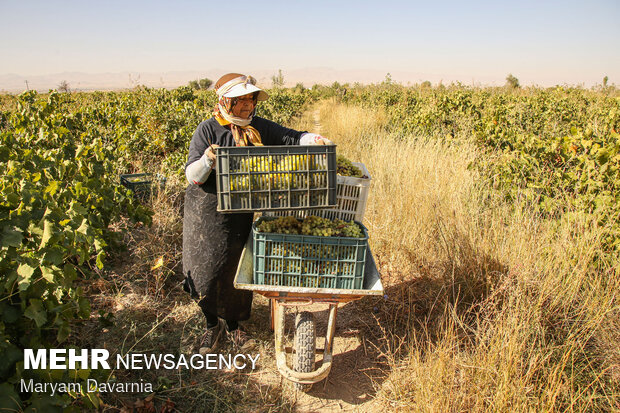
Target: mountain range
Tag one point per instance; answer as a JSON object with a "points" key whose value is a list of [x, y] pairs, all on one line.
{"points": [[15, 83]]}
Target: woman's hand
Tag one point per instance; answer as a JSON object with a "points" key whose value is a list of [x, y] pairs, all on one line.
{"points": [[314, 139], [210, 152], [320, 140]]}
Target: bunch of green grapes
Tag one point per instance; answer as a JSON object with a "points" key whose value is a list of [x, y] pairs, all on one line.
{"points": [[312, 225], [280, 225], [347, 229], [318, 226], [346, 168]]}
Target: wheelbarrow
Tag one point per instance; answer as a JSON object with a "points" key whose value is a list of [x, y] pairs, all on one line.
{"points": [[303, 372]]}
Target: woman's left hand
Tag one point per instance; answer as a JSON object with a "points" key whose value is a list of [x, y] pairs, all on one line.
{"points": [[320, 140], [314, 139]]}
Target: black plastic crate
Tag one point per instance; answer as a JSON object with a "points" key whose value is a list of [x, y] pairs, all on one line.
{"points": [[307, 260], [272, 178], [142, 184]]}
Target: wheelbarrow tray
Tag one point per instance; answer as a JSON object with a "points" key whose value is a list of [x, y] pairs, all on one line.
{"points": [[244, 281]]}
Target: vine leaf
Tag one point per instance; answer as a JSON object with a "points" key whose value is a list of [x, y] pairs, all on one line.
{"points": [[48, 228], [36, 312], [11, 238]]}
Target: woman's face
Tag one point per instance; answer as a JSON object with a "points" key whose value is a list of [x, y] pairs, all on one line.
{"points": [[243, 106]]}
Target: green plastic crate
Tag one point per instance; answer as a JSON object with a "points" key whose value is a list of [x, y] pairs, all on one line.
{"points": [[142, 184], [272, 178], [308, 261]]}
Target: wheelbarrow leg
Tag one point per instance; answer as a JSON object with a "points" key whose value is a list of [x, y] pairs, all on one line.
{"points": [[331, 329], [272, 308]]}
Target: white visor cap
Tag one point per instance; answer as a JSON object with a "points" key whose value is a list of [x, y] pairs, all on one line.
{"points": [[244, 88]]}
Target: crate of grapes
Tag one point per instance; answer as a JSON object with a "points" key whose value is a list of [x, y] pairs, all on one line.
{"points": [[272, 178], [142, 184], [353, 186], [314, 252]]}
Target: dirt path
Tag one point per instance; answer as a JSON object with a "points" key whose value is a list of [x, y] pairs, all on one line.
{"points": [[316, 115]]}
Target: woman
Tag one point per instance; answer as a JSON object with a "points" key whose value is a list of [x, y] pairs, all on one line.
{"points": [[213, 242]]}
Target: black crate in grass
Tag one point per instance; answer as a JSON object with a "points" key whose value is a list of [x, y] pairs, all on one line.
{"points": [[142, 184], [307, 260], [271, 178]]}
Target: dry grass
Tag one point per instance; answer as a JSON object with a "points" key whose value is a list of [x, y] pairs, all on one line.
{"points": [[494, 309]]}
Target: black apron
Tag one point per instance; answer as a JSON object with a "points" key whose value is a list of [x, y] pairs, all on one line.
{"points": [[212, 246]]}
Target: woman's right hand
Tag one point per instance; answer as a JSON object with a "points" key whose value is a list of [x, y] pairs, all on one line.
{"points": [[210, 152]]}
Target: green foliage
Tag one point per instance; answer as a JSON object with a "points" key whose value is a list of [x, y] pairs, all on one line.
{"points": [[556, 149], [283, 104], [59, 196], [575, 173]]}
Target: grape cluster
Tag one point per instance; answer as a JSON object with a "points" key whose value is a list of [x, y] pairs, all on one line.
{"points": [[312, 225], [346, 168], [282, 225]]}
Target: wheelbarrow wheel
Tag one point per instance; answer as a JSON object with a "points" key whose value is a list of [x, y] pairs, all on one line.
{"points": [[305, 346]]}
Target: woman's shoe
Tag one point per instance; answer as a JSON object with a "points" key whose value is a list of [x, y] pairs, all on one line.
{"points": [[209, 339]]}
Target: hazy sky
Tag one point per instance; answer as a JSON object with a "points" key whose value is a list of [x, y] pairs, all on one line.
{"points": [[542, 42]]}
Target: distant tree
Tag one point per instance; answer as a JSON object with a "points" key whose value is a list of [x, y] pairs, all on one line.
{"points": [[512, 81], [200, 84], [605, 80], [278, 80], [426, 84], [205, 83], [388, 79], [299, 87], [64, 87]]}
